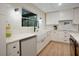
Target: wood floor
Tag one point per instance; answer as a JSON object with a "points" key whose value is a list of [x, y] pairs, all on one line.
{"points": [[56, 49]]}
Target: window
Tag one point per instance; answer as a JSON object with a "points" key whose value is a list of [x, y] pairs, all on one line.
{"points": [[29, 19]]}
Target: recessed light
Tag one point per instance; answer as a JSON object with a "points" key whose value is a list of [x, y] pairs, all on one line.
{"points": [[59, 4], [16, 9]]}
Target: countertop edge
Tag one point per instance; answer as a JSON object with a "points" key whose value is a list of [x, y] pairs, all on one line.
{"points": [[14, 40], [75, 36]]}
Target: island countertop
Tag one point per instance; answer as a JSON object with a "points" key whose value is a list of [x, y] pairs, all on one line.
{"points": [[25, 35], [19, 37]]}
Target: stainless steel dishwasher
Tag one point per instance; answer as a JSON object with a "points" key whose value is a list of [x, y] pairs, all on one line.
{"points": [[73, 45]]}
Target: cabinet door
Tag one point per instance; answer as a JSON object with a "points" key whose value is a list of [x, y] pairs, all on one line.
{"points": [[66, 14], [55, 35], [28, 47], [13, 49], [66, 36], [76, 16], [61, 36], [52, 18]]}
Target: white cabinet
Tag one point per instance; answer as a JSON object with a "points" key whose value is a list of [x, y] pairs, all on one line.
{"points": [[43, 38], [66, 14], [64, 36], [29, 46], [24, 47], [55, 35], [76, 16], [13, 49], [52, 18], [60, 36]]}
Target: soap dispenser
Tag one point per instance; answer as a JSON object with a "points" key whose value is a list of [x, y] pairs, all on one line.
{"points": [[8, 30]]}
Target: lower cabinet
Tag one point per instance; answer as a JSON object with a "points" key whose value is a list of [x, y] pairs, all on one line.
{"points": [[62, 36], [13, 49], [24, 47], [43, 40]]}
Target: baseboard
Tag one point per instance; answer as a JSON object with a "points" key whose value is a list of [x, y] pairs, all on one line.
{"points": [[60, 42]]}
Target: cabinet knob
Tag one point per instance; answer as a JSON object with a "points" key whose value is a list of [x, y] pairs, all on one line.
{"points": [[18, 52], [14, 46]]}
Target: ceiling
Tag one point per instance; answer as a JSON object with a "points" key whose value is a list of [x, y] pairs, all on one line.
{"points": [[51, 7]]}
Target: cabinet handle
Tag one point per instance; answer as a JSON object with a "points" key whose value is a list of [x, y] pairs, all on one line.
{"points": [[17, 52], [14, 46]]}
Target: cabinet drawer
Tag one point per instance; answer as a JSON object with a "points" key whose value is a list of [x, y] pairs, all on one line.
{"points": [[13, 49]]}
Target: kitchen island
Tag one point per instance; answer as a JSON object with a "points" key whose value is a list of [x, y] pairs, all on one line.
{"points": [[21, 45]]}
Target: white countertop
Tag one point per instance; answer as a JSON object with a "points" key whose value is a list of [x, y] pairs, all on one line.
{"points": [[19, 37], [22, 36], [75, 36]]}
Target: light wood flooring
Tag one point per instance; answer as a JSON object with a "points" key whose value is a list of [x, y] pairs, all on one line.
{"points": [[56, 49]]}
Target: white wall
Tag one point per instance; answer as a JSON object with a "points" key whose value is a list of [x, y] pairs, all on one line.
{"points": [[3, 17], [14, 18], [2, 37]]}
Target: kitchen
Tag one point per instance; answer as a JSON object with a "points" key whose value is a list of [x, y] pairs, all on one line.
{"points": [[39, 29]]}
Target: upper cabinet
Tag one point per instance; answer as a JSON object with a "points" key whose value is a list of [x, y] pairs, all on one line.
{"points": [[76, 16], [66, 14], [52, 18]]}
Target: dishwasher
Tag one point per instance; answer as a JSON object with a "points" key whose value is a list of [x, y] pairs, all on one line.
{"points": [[74, 48]]}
